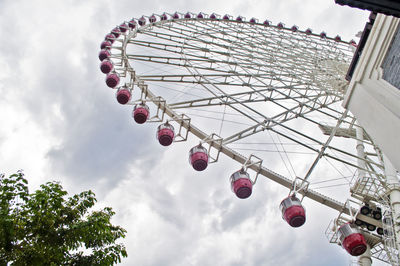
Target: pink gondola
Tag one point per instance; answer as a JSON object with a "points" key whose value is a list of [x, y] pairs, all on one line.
{"points": [[106, 66], [152, 19], [140, 113], [241, 184], [142, 21], [123, 95], [105, 45], [164, 17], [352, 240], [123, 27], [132, 24], [104, 54], [165, 134], [253, 20], [112, 80], [175, 15], [198, 157], [110, 37], [116, 32], [267, 23], [292, 211]]}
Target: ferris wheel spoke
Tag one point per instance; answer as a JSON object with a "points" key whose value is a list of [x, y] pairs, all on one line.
{"points": [[248, 96], [344, 160], [278, 119]]}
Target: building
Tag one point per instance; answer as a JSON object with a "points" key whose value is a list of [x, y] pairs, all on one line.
{"points": [[373, 95]]}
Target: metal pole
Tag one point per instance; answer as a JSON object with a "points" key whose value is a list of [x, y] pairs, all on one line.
{"points": [[360, 154], [393, 186], [365, 258]]}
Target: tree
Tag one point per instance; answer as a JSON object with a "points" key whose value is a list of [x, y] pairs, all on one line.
{"points": [[49, 228]]}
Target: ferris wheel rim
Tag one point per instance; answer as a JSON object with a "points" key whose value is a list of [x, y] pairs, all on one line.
{"points": [[125, 70]]}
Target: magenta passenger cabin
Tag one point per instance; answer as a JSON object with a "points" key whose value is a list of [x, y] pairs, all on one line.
{"points": [[294, 28], [132, 24], [106, 66], [213, 16], [110, 37], [253, 20], [292, 211], [322, 35], [200, 15], [164, 17], [280, 25], [175, 15], [198, 157], [338, 38], [239, 18], [142, 21], [266, 23], [116, 32], [152, 19], [104, 54], [308, 31], [187, 15], [140, 113], [123, 28], [105, 45], [226, 17], [352, 240], [123, 95], [165, 134], [112, 80], [241, 184]]}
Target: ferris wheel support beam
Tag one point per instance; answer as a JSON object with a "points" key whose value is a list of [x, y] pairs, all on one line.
{"points": [[394, 195], [365, 259], [326, 144]]}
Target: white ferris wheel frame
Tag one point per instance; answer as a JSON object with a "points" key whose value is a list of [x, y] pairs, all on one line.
{"points": [[187, 32]]}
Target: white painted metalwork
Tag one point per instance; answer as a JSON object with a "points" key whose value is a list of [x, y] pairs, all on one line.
{"points": [[237, 85]]}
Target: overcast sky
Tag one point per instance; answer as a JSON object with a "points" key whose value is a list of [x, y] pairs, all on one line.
{"points": [[60, 122]]}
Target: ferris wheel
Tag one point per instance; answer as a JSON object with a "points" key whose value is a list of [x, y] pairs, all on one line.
{"points": [[248, 89]]}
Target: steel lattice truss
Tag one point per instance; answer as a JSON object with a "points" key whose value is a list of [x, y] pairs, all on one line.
{"points": [[240, 86]]}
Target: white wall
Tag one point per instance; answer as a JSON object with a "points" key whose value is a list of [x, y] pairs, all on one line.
{"points": [[373, 101]]}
